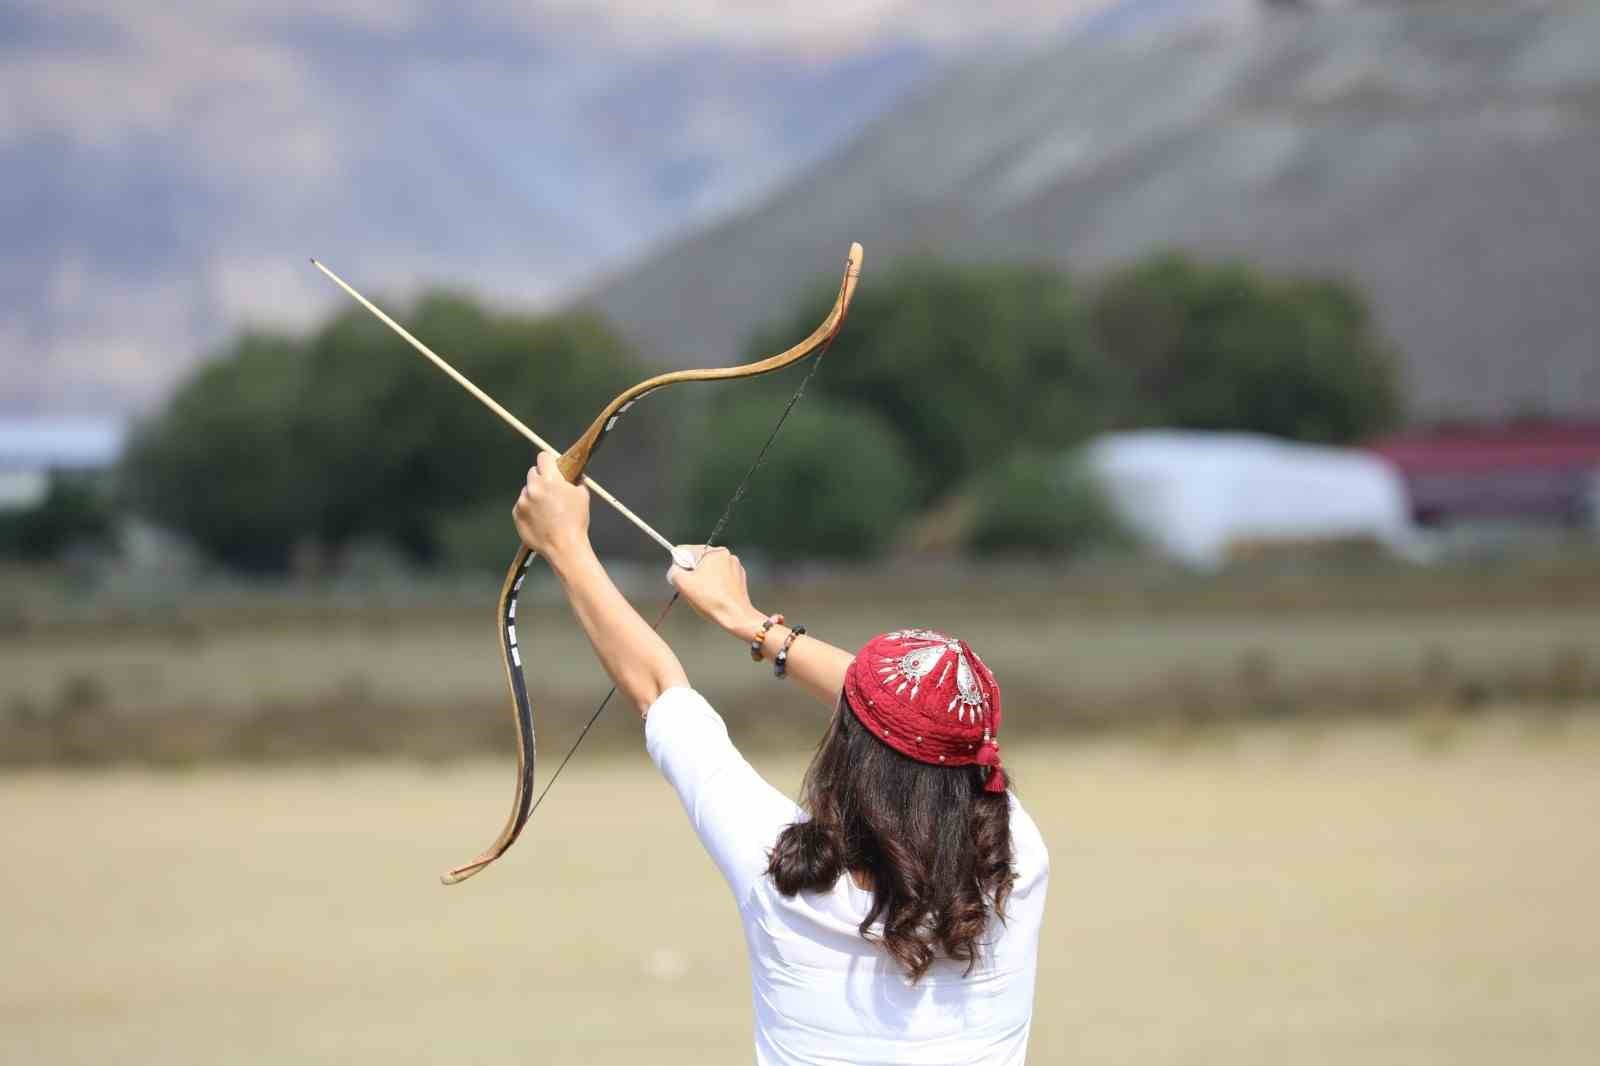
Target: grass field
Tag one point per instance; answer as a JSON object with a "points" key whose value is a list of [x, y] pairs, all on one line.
{"points": [[1360, 892], [264, 675]]}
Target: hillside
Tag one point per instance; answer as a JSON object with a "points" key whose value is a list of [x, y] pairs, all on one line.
{"points": [[1444, 156]]}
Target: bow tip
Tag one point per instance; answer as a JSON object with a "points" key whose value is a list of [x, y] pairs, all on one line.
{"points": [[460, 873]]}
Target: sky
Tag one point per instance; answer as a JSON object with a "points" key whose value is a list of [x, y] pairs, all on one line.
{"points": [[167, 169]]}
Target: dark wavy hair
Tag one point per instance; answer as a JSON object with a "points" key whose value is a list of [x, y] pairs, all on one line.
{"points": [[935, 846]]}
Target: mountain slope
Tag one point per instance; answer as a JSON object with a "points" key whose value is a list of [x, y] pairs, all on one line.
{"points": [[1444, 156], [165, 169]]}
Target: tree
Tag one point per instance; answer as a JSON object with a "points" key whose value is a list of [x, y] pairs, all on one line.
{"points": [[400, 447], [960, 362], [75, 511], [1043, 504], [348, 435], [1220, 346], [225, 461], [839, 486]]}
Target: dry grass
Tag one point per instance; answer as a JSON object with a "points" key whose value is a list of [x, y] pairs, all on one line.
{"points": [[1278, 894], [278, 675]]}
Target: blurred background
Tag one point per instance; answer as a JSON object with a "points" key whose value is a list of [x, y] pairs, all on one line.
{"points": [[1227, 372]]}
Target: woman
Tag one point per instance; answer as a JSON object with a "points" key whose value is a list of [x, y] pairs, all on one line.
{"points": [[893, 916]]}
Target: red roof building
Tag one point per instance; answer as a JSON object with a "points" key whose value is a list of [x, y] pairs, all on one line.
{"points": [[1521, 473]]}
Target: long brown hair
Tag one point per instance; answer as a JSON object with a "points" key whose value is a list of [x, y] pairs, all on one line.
{"points": [[935, 845]]}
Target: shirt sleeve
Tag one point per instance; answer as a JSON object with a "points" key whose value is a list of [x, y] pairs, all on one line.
{"points": [[736, 814]]}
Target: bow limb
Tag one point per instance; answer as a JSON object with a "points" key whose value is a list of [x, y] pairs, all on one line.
{"points": [[576, 458], [521, 714], [572, 464]]}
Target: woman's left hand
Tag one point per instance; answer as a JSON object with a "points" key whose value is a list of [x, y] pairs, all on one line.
{"points": [[552, 514]]}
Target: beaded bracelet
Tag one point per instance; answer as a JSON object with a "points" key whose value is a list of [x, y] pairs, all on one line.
{"points": [[760, 640], [780, 665]]}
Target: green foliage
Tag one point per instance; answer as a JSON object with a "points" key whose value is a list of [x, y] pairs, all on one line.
{"points": [[1224, 347], [964, 362], [838, 483], [982, 371], [946, 378], [422, 448], [1041, 504], [348, 435], [225, 462], [480, 536], [940, 368], [75, 511]]}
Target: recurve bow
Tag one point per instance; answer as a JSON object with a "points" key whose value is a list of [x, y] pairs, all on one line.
{"points": [[573, 464]]}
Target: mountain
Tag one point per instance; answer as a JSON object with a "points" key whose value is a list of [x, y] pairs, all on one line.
{"points": [[1446, 157], [166, 169]]}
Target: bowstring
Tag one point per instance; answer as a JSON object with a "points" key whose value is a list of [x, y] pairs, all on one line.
{"points": [[711, 539]]}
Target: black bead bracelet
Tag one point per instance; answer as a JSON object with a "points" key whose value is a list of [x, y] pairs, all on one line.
{"points": [[780, 665]]}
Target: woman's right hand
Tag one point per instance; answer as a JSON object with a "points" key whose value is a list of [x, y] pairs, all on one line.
{"points": [[719, 590]]}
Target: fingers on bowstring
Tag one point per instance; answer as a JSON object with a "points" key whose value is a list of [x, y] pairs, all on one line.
{"points": [[706, 553], [684, 557], [682, 562]]}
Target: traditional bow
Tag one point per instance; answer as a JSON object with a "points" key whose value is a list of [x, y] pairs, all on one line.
{"points": [[573, 463]]}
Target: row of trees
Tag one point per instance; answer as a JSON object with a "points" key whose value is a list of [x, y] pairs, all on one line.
{"points": [[953, 391], [287, 448], [974, 382]]}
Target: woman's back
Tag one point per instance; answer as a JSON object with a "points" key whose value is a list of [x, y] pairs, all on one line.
{"points": [[821, 992], [820, 987]]}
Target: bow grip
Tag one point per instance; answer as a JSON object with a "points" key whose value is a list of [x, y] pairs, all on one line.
{"points": [[572, 462]]}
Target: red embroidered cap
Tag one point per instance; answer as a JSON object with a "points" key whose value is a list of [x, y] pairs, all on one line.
{"points": [[930, 697]]}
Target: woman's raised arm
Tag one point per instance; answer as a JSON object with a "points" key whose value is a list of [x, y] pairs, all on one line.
{"points": [[552, 518]]}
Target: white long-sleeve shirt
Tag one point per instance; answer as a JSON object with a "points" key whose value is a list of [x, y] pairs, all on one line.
{"points": [[823, 994]]}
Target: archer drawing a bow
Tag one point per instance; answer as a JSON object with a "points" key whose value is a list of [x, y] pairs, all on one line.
{"points": [[573, 462]]}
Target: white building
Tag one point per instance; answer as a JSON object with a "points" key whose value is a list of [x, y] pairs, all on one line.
{"points": [[1198, 497]]}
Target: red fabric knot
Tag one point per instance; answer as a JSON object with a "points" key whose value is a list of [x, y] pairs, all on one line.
{"points": [[928, 696], [989, 756]]}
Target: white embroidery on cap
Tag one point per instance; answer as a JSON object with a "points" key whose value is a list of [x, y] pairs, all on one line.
{"points": [[928, 649]]}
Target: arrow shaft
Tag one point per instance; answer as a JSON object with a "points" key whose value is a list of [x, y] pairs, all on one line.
{"points": [[489, 401]]}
